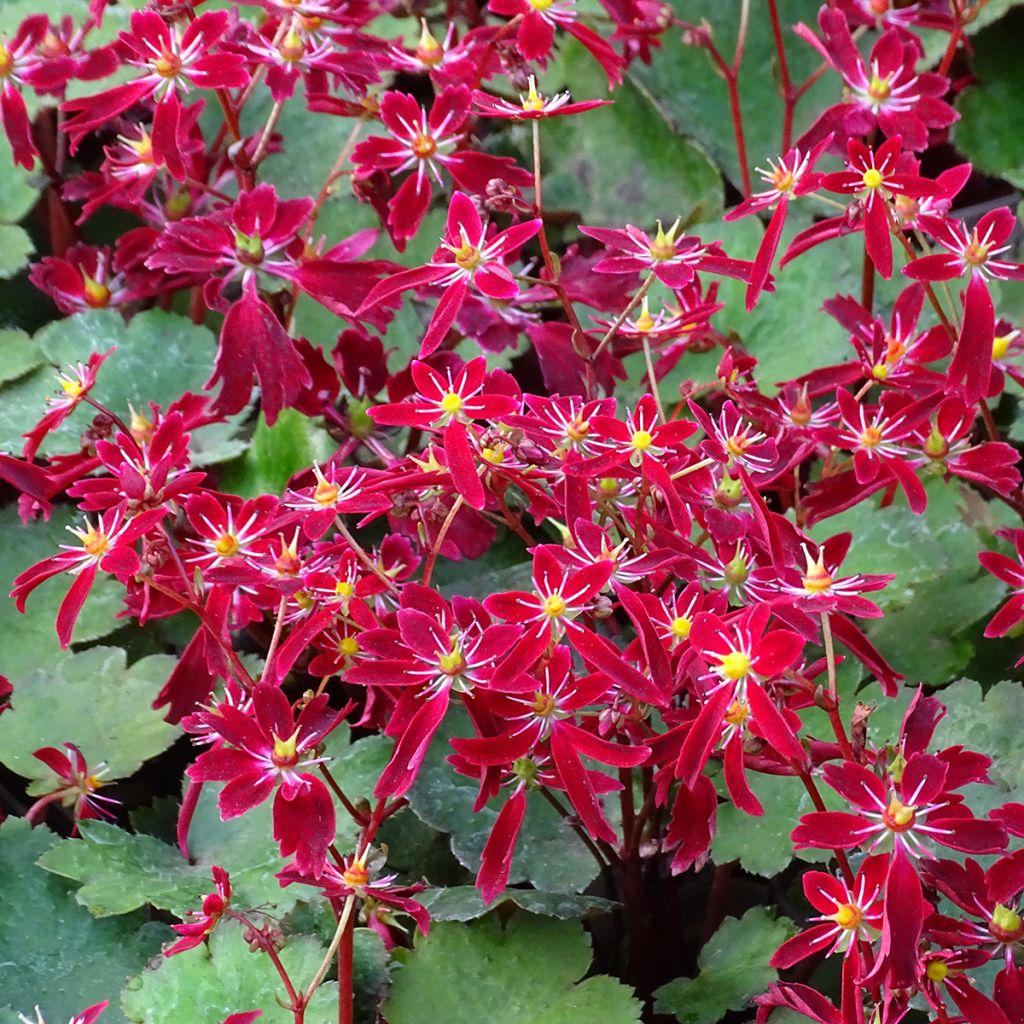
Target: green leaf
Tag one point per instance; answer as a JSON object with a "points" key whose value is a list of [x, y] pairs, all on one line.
{"points": [[122, 872], [52, 952], [159, 357], [15, 249], [18, 354], [208, 983], [29, 640], [525, 974], [688, 87], [94, 700], [986, 721], [548, 854], [624, 163], [276, 454], [923, 632], [990, 132], [785, 800], [733, 969], [463, 903], [19, 189]]}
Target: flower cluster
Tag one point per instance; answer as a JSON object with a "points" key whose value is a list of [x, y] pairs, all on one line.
{"points": [[677, 614]]}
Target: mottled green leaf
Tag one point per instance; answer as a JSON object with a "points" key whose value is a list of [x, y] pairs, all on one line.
{"points": [[733, 969], [986, 721], [18, 354], [208, 983], [990, 132], [29, 641], [91, 699], [464, 903], [625, 163], [15, 249], [524, 974], [688, 87], [548, 854], [52, 952], [159, 356]]}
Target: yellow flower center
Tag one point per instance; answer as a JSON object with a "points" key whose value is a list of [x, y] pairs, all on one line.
{"points": [[356, 875], [285, 753], [6, 61], [879, 89], [554, 605], [1006, 924], [848, 916], [94, 542], [167, 65], [641, 440], [1000, 345], [543, 704], [976, 253], [349, 646], [452, 664], [429, 51], [783, 180], [936, 971], [451, 403], [664, 245], [871, 438], [326, 493], [467, 256], [738, 713], [898, 816], [226, 545], [541, 5], [533, 99], [817, 580], [681, 627], [292, 48], [343, 588], [872, 178], [577, 430], [96, 295], [424, 146], [735, 665], [71, 387]]}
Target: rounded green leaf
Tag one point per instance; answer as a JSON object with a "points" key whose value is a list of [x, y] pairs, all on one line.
{"points": [[527, 973]]}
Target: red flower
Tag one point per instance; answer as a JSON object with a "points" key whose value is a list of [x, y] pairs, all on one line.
{"points": [[533, 106], [75, 386], [742, 657], [911, 810], [547, 715], [848, 914], [536, 34], [791, 177], [79, 784], [884, 91], [467, 258], [23, 62], [435, 651], [172, 63], [971, 252], [427, 143], [81, 279], [195, 931], [873, 177], [108, 546], [559, 596], [266, 753], [674, 261]]}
